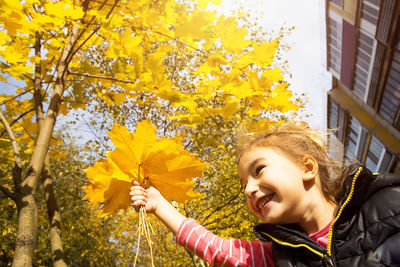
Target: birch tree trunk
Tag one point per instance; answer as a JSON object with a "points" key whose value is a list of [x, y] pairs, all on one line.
{"points": [[57, 252], [27, 214]]}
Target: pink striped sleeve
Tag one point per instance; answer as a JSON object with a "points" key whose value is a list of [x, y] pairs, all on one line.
{"points": [[218, 251]]}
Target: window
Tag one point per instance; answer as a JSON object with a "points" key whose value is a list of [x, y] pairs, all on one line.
{"points": [[370, 12], [370, 15], [390, 103], [365, 51], [333, 115], [339, 3], [374, 154], [336, 119], [335, 122], [354, 130], [335, 43]]}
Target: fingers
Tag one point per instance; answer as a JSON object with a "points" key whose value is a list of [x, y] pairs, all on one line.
{"points": [[135, 183], [138, 195], [137, 203]]}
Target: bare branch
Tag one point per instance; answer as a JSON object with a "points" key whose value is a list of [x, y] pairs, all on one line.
{"points": [[220, 207], [16, 96], [93, 32], [100, 77], [182, 43], [17, 119], [94, 133], [14, 144], [17, 170], [85, 41], [227, 215], [38, 86], [7, 192], [8, 65]]}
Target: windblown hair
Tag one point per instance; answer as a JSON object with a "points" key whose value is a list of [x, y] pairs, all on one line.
{"points": [[295, 140]]}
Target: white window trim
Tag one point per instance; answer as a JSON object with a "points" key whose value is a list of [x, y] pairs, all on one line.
{"points": [[365, 24], [358, 138], [341, 7], [378, 166], [372, 5], [358, 141], [379, 163], [370, 69], [368, 26]]}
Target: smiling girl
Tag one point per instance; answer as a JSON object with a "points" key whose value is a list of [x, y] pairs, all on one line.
{"points": [[309, 218]]}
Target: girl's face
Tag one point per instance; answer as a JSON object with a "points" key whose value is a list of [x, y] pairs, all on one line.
{"points": [[273, 185]]}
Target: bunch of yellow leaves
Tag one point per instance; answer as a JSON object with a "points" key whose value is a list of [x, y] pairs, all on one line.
{"points": [[142, 157]]}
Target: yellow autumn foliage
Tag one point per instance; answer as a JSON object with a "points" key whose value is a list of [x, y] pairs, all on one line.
{"points": [[145, 158]]}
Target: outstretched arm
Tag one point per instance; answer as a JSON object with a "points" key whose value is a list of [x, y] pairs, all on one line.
{"points": [[215, 250], [219, 251]]}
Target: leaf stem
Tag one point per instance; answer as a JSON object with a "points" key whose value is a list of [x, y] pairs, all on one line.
{"points": [[139, 173], [138, 241], [144, 229]]}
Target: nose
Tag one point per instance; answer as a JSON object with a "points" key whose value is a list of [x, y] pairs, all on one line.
{"points": [[251, 188]]}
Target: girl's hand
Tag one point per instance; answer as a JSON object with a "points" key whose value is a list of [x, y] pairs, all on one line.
{"points": [[153, 202], [146, 196]]}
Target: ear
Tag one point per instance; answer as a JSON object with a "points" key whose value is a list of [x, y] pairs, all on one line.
{"points": [[310, 166]]}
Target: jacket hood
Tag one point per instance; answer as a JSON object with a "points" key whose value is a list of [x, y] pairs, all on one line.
{"points": [[365, 184]]}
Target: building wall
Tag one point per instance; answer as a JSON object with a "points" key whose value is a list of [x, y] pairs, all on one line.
{"points": [[363, 55]]}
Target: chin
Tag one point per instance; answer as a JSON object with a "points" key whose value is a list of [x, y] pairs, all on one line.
{"points": [[265, 219], [269, 219]]}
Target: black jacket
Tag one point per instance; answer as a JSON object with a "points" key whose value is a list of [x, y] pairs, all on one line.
{"points": [[365, 231]]}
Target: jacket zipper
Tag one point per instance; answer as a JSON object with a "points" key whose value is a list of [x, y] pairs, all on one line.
{"points": [[327, 258], [330, 234], [280, 242], [328, 261]]}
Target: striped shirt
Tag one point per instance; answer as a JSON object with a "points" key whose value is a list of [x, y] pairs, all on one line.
{"points": [[219, 251]]}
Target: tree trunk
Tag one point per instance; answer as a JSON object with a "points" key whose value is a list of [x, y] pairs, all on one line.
{"points": [[57, 252], [27, 217]]}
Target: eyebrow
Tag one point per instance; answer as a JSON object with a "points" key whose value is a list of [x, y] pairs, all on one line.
{"points": [[254, 162], [251, 166]]}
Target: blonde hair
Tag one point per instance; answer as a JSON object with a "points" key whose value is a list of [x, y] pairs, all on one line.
{"points": [[295, 140]]}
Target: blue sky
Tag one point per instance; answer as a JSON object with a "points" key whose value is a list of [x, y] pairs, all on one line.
{"points": [[307, 41]]}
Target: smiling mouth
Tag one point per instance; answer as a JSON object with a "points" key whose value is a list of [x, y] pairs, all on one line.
{"points": [[261, 203]]}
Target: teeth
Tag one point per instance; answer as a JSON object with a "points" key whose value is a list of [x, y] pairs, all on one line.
{"points": [[265, 201]]}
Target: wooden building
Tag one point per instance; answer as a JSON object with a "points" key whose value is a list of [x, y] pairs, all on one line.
{"points": [[363, 55]]}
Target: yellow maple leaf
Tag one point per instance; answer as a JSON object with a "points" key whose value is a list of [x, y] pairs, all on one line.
{"points": [[111, 97], [100, 174], [197, 20], [142, 157], [265, 52], [202, 4], [280, 99]]}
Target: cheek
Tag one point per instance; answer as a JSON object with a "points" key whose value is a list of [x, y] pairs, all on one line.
{"points": [[249, 204]]}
